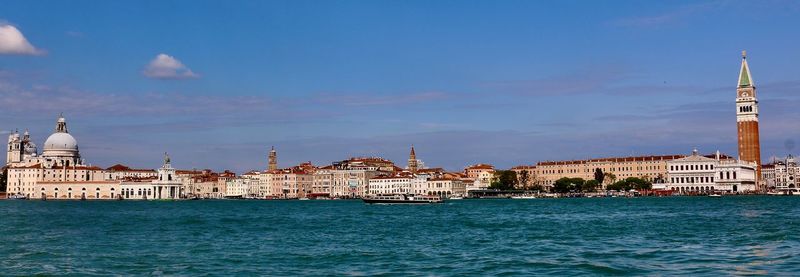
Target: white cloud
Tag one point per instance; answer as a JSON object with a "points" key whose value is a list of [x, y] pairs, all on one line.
{"points": [[167, 67], [12, 42]]}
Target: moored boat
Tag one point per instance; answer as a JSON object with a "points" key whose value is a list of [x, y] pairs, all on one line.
{"points": [[715, 195], [17, 197], [402, 199]]}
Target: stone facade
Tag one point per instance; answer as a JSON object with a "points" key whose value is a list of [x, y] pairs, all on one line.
{"points": [[698, 174]]}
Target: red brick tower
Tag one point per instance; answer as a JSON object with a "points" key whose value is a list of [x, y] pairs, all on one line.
{"points": [[747, 119]]}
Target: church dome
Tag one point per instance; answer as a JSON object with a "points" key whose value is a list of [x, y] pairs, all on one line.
{"points": [[61, 141], [31, 149]]}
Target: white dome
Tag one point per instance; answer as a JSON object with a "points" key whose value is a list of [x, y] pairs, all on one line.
{"points": [[61, 141]]}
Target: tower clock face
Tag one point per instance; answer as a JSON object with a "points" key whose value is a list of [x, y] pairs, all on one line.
{"points": [[745, 94]]}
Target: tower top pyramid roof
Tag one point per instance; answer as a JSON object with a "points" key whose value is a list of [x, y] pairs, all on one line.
{"points": [[745, 79]]}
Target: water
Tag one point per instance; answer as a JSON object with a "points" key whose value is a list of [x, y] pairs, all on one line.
{"points": [[641, 236]]}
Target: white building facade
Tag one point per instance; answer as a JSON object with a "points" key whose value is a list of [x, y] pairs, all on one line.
{"points": [[697, 174]]}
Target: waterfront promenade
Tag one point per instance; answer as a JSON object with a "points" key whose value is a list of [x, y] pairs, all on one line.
{"points": [[639, 236]]}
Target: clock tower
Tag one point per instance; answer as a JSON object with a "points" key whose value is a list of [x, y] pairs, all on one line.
{"points": [[747, 119]]}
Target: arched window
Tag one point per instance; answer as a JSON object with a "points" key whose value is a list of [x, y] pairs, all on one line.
{"points": [[734, 175]]}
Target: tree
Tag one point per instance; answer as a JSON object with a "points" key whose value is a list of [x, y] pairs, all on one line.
{"points": [[590, 186], [630, 183], [611, 177], [3, 179], [524, 178], [599, 176], [504, 180], [565, 185]]}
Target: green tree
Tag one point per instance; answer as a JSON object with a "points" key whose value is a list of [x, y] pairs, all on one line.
{"points": [[590, 186], [524, 178], [504, 180], [630, 183], [3, 179], [565, 185], [599, 176], [611, 177]]}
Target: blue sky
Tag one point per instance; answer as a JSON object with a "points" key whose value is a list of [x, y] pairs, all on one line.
{"points": [[501, 82]]}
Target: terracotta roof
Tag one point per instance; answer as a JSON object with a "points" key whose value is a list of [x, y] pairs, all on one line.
{"points": [[443, 179], [120, 167], [613, 159], [390, 177]]}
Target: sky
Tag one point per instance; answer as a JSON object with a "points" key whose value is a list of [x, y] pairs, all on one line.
{"points": [[217, 83]]}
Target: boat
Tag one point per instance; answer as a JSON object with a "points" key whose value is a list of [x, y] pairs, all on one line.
{"points": [[523, 197], [17, 197], [456, 198], [303, 198], [715, 195], [402, 199]]}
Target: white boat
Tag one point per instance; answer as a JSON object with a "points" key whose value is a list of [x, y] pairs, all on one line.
{"points": [[304, 198], [17, 197], [523, 197], [402, 199], [456, 198], [715, 195]]}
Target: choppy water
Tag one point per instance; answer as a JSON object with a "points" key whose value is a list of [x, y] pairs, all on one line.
{"points": [[643, 236]]}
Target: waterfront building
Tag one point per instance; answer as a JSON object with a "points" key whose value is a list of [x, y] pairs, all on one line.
{"points": [[651, 168], [481, 176], [167, 185], [768, 176], [781, 175], [237, 188], [136, 189], [350, 178], [294, 182], [382, 185], [445, 187], [59, 168], [255, 187], [747, 117], [478, 171], [121, 172], [76, 190], [703, 174]]}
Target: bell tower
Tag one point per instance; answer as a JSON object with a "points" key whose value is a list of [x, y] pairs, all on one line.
{"points": [[273, 159], [747, 118], [15, 148], [412, 161]]}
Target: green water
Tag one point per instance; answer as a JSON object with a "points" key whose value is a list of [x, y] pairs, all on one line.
{"points": [[640, 236]]}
